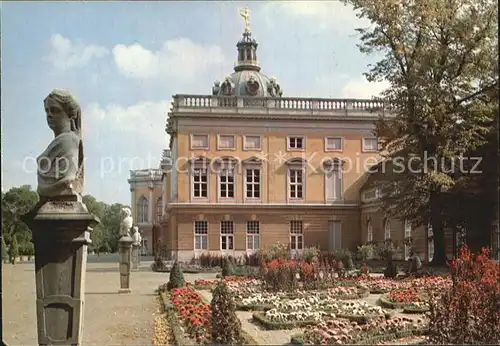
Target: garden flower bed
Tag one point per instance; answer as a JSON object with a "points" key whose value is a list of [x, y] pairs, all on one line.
{"points": [[411, 299], [340, 331]]}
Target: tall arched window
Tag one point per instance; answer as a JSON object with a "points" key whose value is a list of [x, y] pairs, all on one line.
{"points": [[142, 210], [369, 232], [159, 208], [387, 229], [407, 235]]}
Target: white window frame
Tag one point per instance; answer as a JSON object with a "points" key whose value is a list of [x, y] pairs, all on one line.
{"points": [[407, 234], [369, 232], [365, 150], [329, 180], [259, 169], [220, 175], [219, 141], [430, 244], [334, 150], [296, 235], [142, 210], [289, 148], [227, 233], [302, 169], [199, 148], [387, 229], [201, 236], [193, 170], [365, 199], [252, 149], [253, 233]]}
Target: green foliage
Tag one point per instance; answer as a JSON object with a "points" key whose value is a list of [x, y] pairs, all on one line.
{"points": [[440, 58], [311, 254], [365, 252], [27, 249], [274, 251], [15, 203], [228, 268], [226, 326], [176, 279], [14, 249], [5, 255]]}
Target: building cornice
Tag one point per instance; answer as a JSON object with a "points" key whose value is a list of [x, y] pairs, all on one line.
{"points": [[264, 205]]}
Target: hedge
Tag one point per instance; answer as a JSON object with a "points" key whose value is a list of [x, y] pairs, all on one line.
{"points": [[272, 325]]}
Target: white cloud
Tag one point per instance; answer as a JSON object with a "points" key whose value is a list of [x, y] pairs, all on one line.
{"points": [[324, 13], [181, 59], [66, 54], [361, 88], [143, 118]]}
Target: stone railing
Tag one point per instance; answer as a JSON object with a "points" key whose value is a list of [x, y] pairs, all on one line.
{"points": [[290, 103]]}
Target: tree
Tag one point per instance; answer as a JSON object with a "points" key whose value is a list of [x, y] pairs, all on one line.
{"points": [[5, 254], [439, 57], [176, 279], [14, 250], [16, 202], [99, 234], [226, 326], [111, 221]]}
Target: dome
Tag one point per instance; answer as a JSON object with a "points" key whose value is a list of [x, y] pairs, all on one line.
{"points": [[247, 80], [248, 83]]}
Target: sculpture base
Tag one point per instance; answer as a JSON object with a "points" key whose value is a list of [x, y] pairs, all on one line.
{"points": [[125, 249], [61, 232], [124, 290]]}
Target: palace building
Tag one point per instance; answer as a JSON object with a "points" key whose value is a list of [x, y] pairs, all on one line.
{"points": [[248, 166]]}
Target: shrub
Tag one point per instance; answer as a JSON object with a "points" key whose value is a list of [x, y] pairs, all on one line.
{"points": [[14, 250], [365, 252], [468, 312], [158, 264], [280, 275], [226, 326], [310, 254], [273, 252], [227, 267], [176, 279]]}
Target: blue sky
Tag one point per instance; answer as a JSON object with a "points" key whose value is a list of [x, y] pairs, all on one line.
{"points": [[124, 61]]}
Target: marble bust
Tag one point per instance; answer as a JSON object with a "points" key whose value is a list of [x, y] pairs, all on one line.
{"points": [[126, 223], [61, 166], [136, 236]]}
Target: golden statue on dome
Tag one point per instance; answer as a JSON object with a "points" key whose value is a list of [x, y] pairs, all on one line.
{"points": [[245, 13]]}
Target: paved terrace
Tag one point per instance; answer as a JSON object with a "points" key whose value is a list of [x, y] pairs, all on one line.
{"points": [[110, 318]]}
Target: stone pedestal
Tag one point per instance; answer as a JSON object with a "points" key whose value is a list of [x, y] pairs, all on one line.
{"points": [[61, 233], [135, 257], [125, 248]]}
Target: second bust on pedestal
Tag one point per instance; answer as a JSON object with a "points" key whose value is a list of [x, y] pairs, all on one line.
{"points": [[61, 165]]}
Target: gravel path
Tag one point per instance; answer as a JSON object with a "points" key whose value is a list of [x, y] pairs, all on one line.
{"points": [[110, 318]]}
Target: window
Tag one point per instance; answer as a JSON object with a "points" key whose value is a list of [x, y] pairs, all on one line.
{"points": [[335, 235], [252, 142], [200, 183], [296, 183], [252, 183], [387, 230], [370, 195], [159, 209], [334, 144], [227, 235], [370, 144], [430, 241], [296, 143], [334, 184], [199, 142], [226, 142], [369, 232], [407, 235], [296, 235], [253, 235], [201, 235], [142, 210], [226, 183]]}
